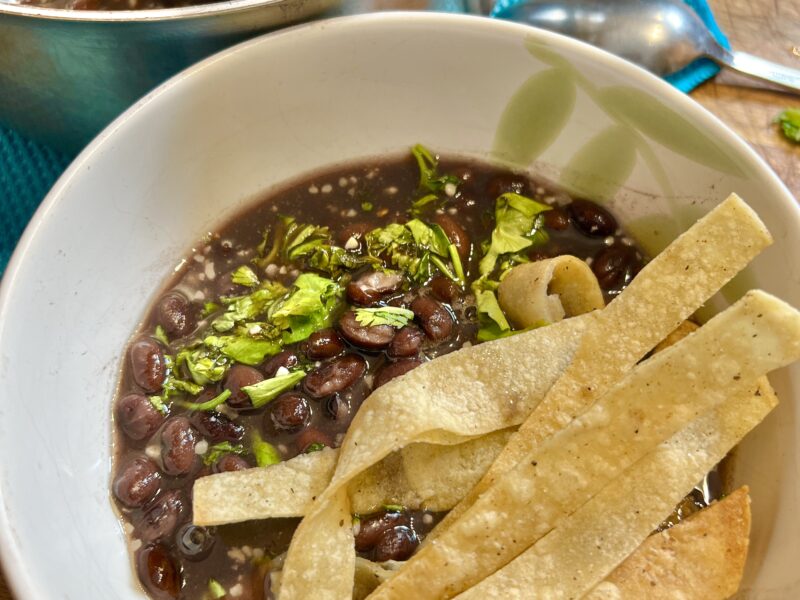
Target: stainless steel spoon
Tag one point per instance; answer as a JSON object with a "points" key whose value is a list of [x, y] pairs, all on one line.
{"points": [[662, 36]]}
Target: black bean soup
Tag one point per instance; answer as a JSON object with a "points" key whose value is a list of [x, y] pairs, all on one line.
{"points": [[279, 324]]}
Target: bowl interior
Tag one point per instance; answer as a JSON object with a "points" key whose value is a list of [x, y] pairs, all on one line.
{"points": [[246, 120]]}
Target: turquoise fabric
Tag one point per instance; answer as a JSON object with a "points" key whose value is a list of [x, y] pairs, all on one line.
{"points": [[28, 170]]}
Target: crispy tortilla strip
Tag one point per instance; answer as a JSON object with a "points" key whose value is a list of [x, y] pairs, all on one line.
{"points": [[597, 537], [701, 557], [450, 400], [370, 575], [661, 396], [664, 294], [281, 490], [426, 476], [549, 290]]}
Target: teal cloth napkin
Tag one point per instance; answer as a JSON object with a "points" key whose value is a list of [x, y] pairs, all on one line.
{"points": [[28, 169]]}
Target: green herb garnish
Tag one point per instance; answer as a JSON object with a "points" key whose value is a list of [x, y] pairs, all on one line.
{"points": [[217, 450], [367, 206], [244, 275], [215, 589], [269, 389], [518, 226], [429, 179], [789, 120], [208, 404], [315, 447], [393, 508], [493, 323], [161, 335], [158, 404], [384, 315], [266, 454], [308, 308]]}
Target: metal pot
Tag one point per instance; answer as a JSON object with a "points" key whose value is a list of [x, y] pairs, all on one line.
{"points": [[65, 74]]}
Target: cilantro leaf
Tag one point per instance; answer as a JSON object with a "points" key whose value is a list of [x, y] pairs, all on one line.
{"points": [[315, 447], [161, 335], [517, 227], [266, 454], [264, 391], [308, 308], [158, 404], [215, 589], [244, 275], [384, 315], [789, 121], [248, 308], [217, 450], [203, 365], [429, 179], [208, 404], [242, 348], [493, 323]]}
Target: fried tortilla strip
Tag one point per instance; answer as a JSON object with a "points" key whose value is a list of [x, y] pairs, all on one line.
{"points": [[549, 290], [661, 396], [597, 537], [664, 294], [701, 557], [456, 397], [432, 477]]}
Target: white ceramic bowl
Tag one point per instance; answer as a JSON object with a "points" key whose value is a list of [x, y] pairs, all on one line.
{"points": [[205, 143]]}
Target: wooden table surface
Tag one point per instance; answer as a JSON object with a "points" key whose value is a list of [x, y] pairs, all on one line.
{"points": [[768, 28]]}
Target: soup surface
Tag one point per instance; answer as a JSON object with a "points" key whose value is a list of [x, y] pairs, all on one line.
{"points": [[279, 324]]}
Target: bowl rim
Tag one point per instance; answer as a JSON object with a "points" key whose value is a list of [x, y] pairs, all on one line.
{"points": [[197, 11], [20, 580]]}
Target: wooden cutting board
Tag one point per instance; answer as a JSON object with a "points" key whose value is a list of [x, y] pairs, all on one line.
{"points": [[768, 28]]}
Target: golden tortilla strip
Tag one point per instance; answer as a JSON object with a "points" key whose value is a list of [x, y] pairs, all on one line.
{"points": [[665, 293], [597, 537], [661, 396], [370, 575], [449, 400], [548, 290], [431, 477], [700, 557]]}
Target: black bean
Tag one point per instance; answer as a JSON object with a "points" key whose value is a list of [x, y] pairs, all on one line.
{"points": [[374, 337], [504, 183], [289, 412], [615, 266], [372, 286], [311, 436], [591, 219], [137, 482], [230, 462], [394, 369], [444, 289], [435, 319], [158, 572], [176, 315], [286, 359], [161, 519], [217, 427], [406, 343], [147, 364], [324, 343], [193, 542], [556, 219], [335, 376], [240, 376], [137, 416], [397, 543], [372, 527], [455, 233], [178, 439], [337, 407]]}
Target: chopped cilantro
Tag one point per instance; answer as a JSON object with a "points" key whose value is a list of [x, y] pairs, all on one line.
{"points": [[393, 507], [173, 385], [247, 308], [209, 308], [367, 206], [244, 275], [312, 244], [217, 450], [315, 447], [308, 308], [215, 589], [429, 179], [264, 391], [517, 227], [158, 404], [243, 348], [208, 404], [204, 366], [493, 323], [789, 121], [426, 201], [161, 335], [384, 315], [266, 454]]}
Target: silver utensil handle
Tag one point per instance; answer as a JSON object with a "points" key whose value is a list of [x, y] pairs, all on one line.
{"points": [[761, 69]]}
